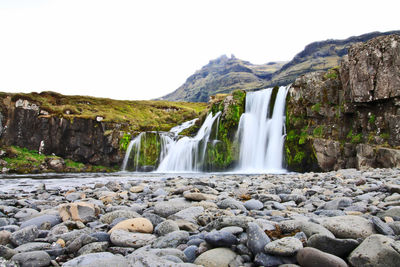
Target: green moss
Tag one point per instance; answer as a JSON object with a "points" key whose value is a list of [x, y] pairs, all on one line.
{"points": [[332, 73], [385, 136], [318, 131], [354, 138], [316, 108], [372, 119], [148, 154], [124, 141], [272, 101]]}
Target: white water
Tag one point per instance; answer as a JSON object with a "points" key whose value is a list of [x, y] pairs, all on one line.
{"points": [[133, 144], [187, 154], [261, 138], [178, 129]]}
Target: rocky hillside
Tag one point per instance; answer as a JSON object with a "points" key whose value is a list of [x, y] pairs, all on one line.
{"points": [[224, 74], [83, 129], [348, 117]]}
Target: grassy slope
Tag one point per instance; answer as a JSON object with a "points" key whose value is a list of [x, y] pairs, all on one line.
{"points": [[140, 115]]}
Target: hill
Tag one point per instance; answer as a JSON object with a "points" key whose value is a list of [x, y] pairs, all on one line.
{"points": [[224, 74]]}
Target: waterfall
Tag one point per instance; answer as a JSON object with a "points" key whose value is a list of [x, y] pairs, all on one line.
{"points": [[135, 145], [261, 135], [187, 154]]}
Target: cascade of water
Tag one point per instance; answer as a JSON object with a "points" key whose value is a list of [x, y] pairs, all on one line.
{"points": [[135, 145], [187, 154], [178, 129], [261, 139]]}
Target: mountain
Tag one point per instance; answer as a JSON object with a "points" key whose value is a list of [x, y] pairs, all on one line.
{"points": [[224, 74]]}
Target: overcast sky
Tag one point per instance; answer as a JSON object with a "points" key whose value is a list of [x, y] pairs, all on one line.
{"points": [[127, 49]]}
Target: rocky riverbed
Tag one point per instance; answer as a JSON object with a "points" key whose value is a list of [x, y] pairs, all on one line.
{"points": [[343, 218]]}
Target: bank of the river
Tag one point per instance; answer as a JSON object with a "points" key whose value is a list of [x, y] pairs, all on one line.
{"points": [[312, 219]]}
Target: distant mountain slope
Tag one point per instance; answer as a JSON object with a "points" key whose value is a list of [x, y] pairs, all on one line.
{"points": [[225, 74]]}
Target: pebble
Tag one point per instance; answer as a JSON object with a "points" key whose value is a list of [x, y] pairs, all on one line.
{"points": [[335, 246], [287, 246], [257, 239], [32, 259], [140, 225], [311, 257], [217, 257], [221, 239]]}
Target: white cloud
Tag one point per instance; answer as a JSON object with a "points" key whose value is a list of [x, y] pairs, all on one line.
{"points": [[145, 49]]}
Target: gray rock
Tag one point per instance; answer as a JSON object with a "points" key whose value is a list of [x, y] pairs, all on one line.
{"points": [[154, 218], [166, 227], [25, 214], [93, 248], [338, 203], [108, 218], [25, 235], [235, 230], [221, 222], [375, 250], [79, 242], [257, 239], [349, 226], [309, 228], [6, 252], [382, 227], [32, 259], [287, 246], [395, 227], [172, 240], [189, 214], [230, 203], [253, 204], [42, 222], [311, 257], [263, 259], [101, 236], [217, 257], [167, 208], [191, 253], [221, 239], [71, 197], [335, 246], [101, 259], [160, 252], [392, 212], [330, 213], [32, 246], [123, 238], [141, 258]]}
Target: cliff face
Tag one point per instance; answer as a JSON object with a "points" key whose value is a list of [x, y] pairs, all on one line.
{"points": [[349, 116]]}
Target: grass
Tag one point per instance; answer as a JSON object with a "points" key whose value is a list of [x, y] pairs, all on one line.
{"points": [[140, 115]]}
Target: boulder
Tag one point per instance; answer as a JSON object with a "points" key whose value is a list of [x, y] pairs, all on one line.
{"points": [[32, 259], [79, 211], [349, 226], [311, 257], [100, 259]]}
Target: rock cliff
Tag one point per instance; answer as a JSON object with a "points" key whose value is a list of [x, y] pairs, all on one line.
{"points": [[349, 116]]}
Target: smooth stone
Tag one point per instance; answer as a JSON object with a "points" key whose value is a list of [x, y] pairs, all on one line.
{"points": [[71, 197], [338, 203], [154, 218], [101, 236], [395, 227], [167, 208], [335, 246], [217, 257], [263, 259], [140, 225], [32, 259], [392, 212], [137, 189], [257, 239], [311, 257], [123, 238], [309, 228], [349, 226], [100, 259], [7, 252], [221, 239], [191, 253], [382, 227], [375, 250], [235, 230], [166, 227], [25, 214], [25, 235], [42, 222], [172, 240], [197, 196], [160, 252], [5, 237], [230, 203], [253, 204], [93, 248], [330, 213], [287, 246], [79, 211], [109, 217], [141, 258], [79, 242], [32, 246], [189, 214], [224, 221]]}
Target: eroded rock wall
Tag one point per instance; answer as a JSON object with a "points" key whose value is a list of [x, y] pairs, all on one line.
{"points": [[349, 116]]}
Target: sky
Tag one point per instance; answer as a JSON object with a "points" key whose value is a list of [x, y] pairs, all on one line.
{"points": [[139, 50]]}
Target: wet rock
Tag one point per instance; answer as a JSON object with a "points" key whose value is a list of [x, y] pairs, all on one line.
{"points": [[349, 226], [221, 239], [166, 227], [311, 257], [172, 240], [257, 239], [217, 257], [123, 238], [140, 225], [25, 235], [79, 211], [32, 259], [79, 242], [233, 229], [42, 222], [287, 246], [263, 259], [375, 250], [100, 259], [335, 246], [101, 236], [309, 228]]}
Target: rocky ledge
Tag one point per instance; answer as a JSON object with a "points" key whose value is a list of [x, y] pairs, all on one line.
{"points": [[341, 218]]}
